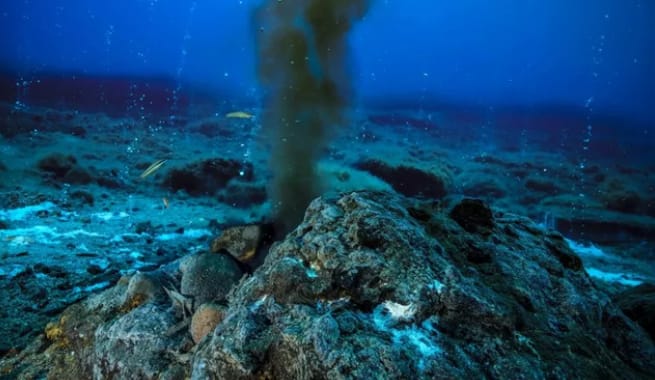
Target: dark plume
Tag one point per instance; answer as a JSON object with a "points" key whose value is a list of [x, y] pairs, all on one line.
{"points": [[302, 66]]}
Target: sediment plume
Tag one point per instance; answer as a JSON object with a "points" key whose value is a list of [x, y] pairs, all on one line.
{"points": [[303, 69]]}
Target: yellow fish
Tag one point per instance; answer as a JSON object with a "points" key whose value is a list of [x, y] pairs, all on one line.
{"points": [[239, 115], [152, 168]]}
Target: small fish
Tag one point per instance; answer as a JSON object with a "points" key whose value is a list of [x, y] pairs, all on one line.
{"points": [[165, 201], [152, 168], [239, 115]]}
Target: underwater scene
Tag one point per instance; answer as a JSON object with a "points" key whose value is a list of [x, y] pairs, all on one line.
{"points": [[327, 189]]}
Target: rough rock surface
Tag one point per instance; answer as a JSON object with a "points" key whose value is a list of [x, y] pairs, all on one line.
{"points": [[109, 336], [371, 285], [248, 244], [209, 277], [361, 287], [134, 344], [204, 320]]}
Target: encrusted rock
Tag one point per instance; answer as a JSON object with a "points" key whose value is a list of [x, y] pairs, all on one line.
{"points": [[101, 338], [209, 277], [134, 345], [243, 242], [205, 319], [369, 285], [362, 289], [142, 288]]}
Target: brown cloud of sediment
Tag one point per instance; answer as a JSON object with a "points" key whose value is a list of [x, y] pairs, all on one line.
{"points": [[302, 66]]}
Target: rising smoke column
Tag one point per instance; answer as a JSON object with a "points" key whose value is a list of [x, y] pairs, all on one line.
{"points": [[302, 66]]}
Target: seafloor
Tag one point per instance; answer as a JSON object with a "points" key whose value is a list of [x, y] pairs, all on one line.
{"points": [[76, 215]]}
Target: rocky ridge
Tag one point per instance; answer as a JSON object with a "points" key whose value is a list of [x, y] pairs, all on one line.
{"points": [[369, 283]]}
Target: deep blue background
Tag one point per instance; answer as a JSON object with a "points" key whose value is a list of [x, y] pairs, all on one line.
{"points": [[472, 51]]}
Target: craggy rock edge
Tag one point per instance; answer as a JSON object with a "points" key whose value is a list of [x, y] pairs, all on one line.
{"points": [[369, 283]]}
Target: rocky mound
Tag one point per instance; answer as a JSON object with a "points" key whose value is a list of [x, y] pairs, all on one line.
{"points": [[369, 285]]}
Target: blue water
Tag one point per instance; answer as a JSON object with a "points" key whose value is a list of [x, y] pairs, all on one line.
{"points": [[598, 53], [133, 132]]}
